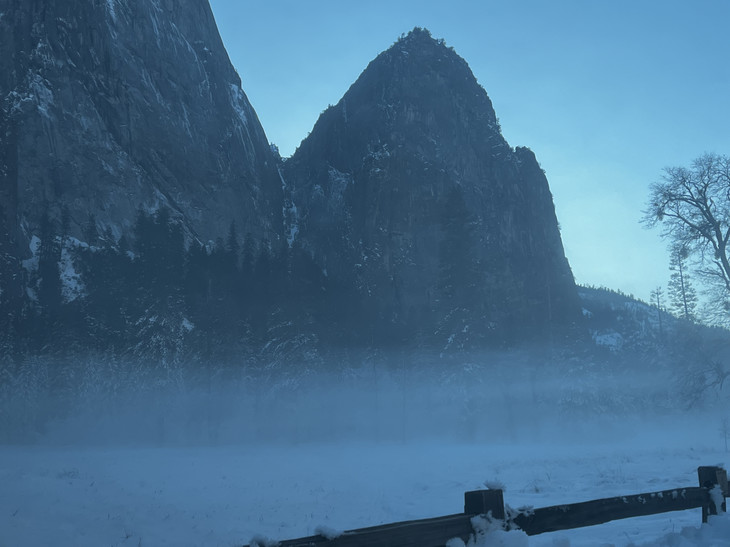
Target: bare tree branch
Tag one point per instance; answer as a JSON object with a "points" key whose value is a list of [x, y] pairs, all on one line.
{"points": [[692, 205]]}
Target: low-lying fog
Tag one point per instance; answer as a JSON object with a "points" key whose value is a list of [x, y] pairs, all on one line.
{"points": [[97, 453], [490, 397]]}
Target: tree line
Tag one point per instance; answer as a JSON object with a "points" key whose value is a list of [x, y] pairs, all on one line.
{"points": [[155, 298]]}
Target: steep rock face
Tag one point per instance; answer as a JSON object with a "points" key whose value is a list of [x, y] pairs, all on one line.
{"points": [[408, 187], [113, 105]]}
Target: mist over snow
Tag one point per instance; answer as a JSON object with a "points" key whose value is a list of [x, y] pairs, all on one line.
{"points": [[477, 398], [187, 458]]}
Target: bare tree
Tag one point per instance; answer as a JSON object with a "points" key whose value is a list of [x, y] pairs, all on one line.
{"points": [[701, 380], [692, 205]]}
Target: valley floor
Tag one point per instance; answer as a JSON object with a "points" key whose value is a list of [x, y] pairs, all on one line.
{"points": [[224, 496]]}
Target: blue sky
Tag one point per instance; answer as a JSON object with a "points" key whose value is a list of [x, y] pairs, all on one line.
{"points": [[605, 93]]}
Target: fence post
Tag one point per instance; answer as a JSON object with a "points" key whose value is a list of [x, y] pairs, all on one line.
{"points": [[711, 477], [481, 502]]}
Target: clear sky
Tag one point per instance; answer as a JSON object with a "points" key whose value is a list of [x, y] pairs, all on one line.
{"points": [[606, 93]]}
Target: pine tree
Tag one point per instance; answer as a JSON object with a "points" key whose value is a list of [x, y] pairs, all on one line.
{"points": [[90, 232], [232, 245], [159, 274], [657, 300], [49, 285], [261, 295], [11, 287], [109, 279], [248, 256], [682, 295], [65, 223]]}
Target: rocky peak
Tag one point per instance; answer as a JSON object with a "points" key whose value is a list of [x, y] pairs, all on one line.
{"points": [[409, 178], [416, 94]]}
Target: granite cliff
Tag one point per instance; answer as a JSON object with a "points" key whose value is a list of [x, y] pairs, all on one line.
{"points": [[109, 106], [408, 188]]}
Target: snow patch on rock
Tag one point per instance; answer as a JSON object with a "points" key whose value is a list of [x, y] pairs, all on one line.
{"points": [[238, 102], [72, 285], [43, 95], [111, 8], [610, 339], [31, 264]]}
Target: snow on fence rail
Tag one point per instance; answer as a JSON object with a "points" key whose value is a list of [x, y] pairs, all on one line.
{"points": [[436, 532]]}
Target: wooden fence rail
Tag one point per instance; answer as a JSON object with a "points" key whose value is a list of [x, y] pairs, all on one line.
{"points": [[435, 532]]}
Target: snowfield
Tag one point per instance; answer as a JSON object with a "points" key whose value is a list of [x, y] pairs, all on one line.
{"points": [[226, 495], [189, 465]]}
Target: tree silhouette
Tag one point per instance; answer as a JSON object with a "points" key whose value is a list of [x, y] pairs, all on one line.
{"points": [[692, 206], [49, 276], [657, 300], [682, 295], [159, 273]]}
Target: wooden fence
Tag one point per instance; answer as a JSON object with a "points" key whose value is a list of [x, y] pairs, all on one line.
{"points": [[435, 532]]}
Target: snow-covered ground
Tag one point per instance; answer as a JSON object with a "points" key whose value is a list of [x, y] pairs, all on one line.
{"points": [[189, 465], [225, 495]]}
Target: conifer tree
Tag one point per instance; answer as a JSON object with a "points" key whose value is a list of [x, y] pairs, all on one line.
{"points": [[90, 231], [248, 256], [232, 245], [682, 295], [65, 223], [261, 290], [107, 273], [49, 285], [11, 291], [159, 274], [657, 300]]}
